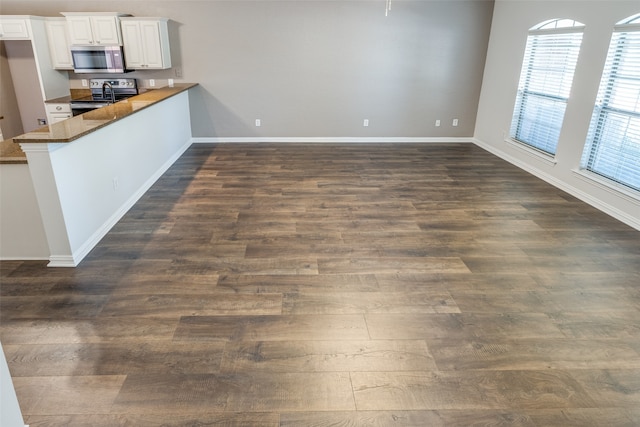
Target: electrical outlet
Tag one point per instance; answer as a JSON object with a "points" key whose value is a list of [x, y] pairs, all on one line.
{"points": [[178, 72], [258, 122], [437, 122], [365, 123], [152, 82], [85, 83], [115, 183], [455, 122]]}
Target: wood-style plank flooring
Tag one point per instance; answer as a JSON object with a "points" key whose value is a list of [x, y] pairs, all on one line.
{"points": [[336, 285]]}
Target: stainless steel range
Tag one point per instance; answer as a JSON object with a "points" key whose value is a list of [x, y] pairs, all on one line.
{"points": [[104, 92]]}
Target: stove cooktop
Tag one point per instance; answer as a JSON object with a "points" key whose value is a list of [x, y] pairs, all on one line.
{"points": [[101, 94]]}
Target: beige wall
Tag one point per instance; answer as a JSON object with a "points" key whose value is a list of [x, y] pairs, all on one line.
{"points": [[11, 122], [318, 68], [26, 84]]}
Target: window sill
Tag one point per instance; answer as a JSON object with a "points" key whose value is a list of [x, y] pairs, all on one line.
{"points": [[608, 185], [531, 151]]}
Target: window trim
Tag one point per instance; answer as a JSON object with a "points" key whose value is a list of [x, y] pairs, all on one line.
{"points": [[531, 151], [561, 30], [628, 193], [525, 92], [598, 124]]}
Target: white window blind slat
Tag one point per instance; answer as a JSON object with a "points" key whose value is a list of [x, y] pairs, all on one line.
{"points": [[613, 142], [545, 85]]}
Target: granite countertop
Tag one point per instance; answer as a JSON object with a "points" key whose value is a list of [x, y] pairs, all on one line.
{"points": [[11, 153], [71, 129]]}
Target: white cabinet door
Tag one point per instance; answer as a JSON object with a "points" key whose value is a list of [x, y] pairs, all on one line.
{"points": [[105, 30], [55, 118], [57, 112], [14, 29], [92, 30], [150, 35], [146, 43], [80, 30], [132, 44], [59, 44]]}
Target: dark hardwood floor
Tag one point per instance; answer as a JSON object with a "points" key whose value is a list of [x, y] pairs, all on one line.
{"points": [[336, 285]]}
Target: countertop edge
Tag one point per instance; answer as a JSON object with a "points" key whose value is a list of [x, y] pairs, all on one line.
{"points": [[13, 161], [11, 153]]}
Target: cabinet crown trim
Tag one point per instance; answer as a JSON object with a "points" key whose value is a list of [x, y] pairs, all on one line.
{"points": [[94, 14], [144, 18]]}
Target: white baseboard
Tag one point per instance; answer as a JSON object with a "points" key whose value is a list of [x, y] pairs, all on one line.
{"points": [[63, 261], [613, 211], [79, 254], [330, 140]]}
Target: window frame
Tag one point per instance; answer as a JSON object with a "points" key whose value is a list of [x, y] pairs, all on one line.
{"points": [[611, 173], [542, 111]]}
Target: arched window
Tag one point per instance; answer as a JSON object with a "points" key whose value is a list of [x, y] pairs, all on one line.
{"points": [[545, 83], [613, 143]]}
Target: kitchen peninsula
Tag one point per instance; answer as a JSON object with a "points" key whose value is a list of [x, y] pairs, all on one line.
{"points": [[87, 171], [71, 129]]}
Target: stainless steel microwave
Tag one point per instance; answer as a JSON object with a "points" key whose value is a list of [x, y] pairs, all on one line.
{"points": [[98, 59]]}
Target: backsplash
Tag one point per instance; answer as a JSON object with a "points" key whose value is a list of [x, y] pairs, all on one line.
{"points": [[77, 84]]}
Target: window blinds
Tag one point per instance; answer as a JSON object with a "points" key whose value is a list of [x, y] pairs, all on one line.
{"points": [[545, 84], [613, 142]]}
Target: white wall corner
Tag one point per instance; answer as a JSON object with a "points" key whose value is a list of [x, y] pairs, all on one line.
{"points": [[10, 412]]}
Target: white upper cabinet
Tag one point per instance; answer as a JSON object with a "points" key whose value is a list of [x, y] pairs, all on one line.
{"points": [[59, 43], [94, 29], [14, 28], [146, 43]]}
